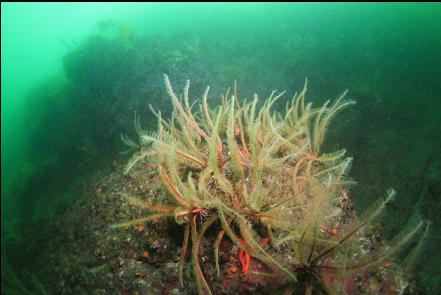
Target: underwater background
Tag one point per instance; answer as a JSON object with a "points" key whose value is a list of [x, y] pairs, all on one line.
{"points": [[73, 75]]}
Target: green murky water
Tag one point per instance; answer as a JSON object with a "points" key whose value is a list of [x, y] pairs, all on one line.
{"points": [[74, 74]]}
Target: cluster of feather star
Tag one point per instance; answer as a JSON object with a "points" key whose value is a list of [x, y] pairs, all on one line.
{"points": [[261, 179]]}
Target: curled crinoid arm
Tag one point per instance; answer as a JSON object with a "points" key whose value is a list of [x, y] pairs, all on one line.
{"points": [[196, 238], [217, 244], [142, 220], [135, 201], [183, 254]]}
